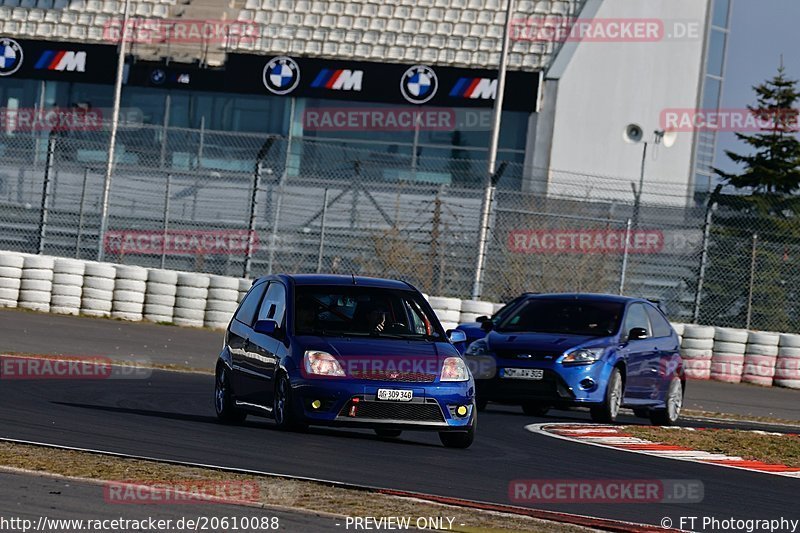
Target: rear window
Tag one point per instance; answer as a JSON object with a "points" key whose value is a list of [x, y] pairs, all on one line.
{"points": [[571, 317]]}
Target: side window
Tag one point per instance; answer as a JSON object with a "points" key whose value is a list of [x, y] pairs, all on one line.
{"points": [[661, 327], [637, 318], [247, 311], [274, 305]]}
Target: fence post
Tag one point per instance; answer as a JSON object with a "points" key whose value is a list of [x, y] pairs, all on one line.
{"points": [[248, 258], [166, 220], [704, 255], [80, 214], [752, 281], [624, 269], [48, 171], [322, 230]]}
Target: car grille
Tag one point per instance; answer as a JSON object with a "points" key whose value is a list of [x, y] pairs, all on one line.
{"points": [[410, 412], [405, 377], [534, 355]]}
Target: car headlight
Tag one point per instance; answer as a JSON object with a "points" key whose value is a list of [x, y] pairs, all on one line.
{"points": [[583, 356], [454, 369], [479, 347], [322, 364]]}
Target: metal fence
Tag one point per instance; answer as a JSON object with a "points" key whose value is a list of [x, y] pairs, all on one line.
{"points": [[249, 205]]}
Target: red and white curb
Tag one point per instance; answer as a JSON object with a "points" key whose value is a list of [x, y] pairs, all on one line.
{"points": [[614, 437]]}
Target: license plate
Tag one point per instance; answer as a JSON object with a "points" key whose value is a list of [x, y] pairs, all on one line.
{"points": [[395, 395], [523, 373]]}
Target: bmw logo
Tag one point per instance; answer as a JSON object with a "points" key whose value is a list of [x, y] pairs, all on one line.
{"points": [[158, 76], [281, 75], [419, 84], [10, 56]]}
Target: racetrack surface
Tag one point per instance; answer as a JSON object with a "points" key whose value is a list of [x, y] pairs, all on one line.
{"points": [[170, 416]]}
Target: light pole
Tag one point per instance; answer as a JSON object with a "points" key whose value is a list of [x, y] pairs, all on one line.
{"points": [[491, 175], [101, 236]]}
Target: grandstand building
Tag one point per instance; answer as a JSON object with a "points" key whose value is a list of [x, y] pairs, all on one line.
{"points": [[211, 80]]}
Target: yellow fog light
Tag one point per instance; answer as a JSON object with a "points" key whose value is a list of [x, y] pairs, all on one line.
{"points": [[316, 404], [461, 410]]}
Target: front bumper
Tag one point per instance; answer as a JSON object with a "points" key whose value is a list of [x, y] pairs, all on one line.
{"points": [[560, 385], [354, 403]]}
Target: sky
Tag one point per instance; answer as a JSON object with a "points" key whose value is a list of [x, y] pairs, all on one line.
{"points": [[761, 30]]}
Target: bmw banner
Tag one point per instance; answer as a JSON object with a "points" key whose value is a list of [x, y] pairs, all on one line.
{"points": [[60, 61]]}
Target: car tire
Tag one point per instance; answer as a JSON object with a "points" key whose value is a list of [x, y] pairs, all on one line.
{"points": [[674, 402], [535, 409], [607, 411], [481, 403], [226, 410], [462, 439], [388, 433], [283, 406]]}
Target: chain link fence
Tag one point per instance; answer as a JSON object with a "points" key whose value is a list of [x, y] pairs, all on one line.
{"points": [[247, 205]]}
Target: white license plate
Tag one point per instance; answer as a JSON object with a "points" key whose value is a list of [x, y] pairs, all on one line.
{"points": [[523, 373], [395, 395]]}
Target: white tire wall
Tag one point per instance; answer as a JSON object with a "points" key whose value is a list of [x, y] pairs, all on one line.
{"points": [[67, 286], [36, 283], [10, 278], [727, 361], [760, 358], [244, 286], [159, 295], [190, 299], [129, 293], [222, 301], [98, 289], [787, 366]]}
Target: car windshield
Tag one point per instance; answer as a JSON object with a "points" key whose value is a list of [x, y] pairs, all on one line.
{"points": [[573, 317], [362, 311]]}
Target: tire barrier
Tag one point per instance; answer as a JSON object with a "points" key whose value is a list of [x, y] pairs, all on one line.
{"points": [[244, 286], [697, 345], [787, 366], [10, 278], [190, 299], [67, 286], [98, 289], [159, 295], [727, 359], [760, 357], [472, 309], [448, 310], [36, 283], [129, 293], [222, 301]]}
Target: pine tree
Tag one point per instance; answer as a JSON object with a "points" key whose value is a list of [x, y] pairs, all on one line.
{"points": [[773, 167]]}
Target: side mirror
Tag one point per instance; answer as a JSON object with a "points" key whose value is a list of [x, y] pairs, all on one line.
{"points": [[636, 334], [266, 327], [456, 336], [486, 325], [482, 319]]}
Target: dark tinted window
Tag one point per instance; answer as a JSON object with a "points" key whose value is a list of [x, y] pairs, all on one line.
{"points": [[247, 311], [361, 311], [274, 305], [661, 327], [577, 317], [637, 318]]}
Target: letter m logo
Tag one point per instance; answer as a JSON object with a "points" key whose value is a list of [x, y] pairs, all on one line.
{"points": [[485, 89], [72, 61], [348, 80]]}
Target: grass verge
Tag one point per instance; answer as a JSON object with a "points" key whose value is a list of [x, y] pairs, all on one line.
{"points": [[273, 492], [750, 445]]}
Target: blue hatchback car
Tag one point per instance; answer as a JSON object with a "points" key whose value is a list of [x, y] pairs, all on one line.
{"points": [[598, 351], [344, 351]]}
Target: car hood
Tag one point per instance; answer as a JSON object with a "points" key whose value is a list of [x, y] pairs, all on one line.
{"points": [[551, 342]]}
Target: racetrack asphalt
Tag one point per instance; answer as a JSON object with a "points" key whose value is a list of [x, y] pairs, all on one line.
{"points": [[170, 416]]}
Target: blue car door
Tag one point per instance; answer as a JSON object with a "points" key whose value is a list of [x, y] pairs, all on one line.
{"points": [[639, 355], [240, 333], [263, 355], [664, 365]]}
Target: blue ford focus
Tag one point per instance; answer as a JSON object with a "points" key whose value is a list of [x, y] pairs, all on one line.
{"points": [[565, 350], [344, 351]]}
